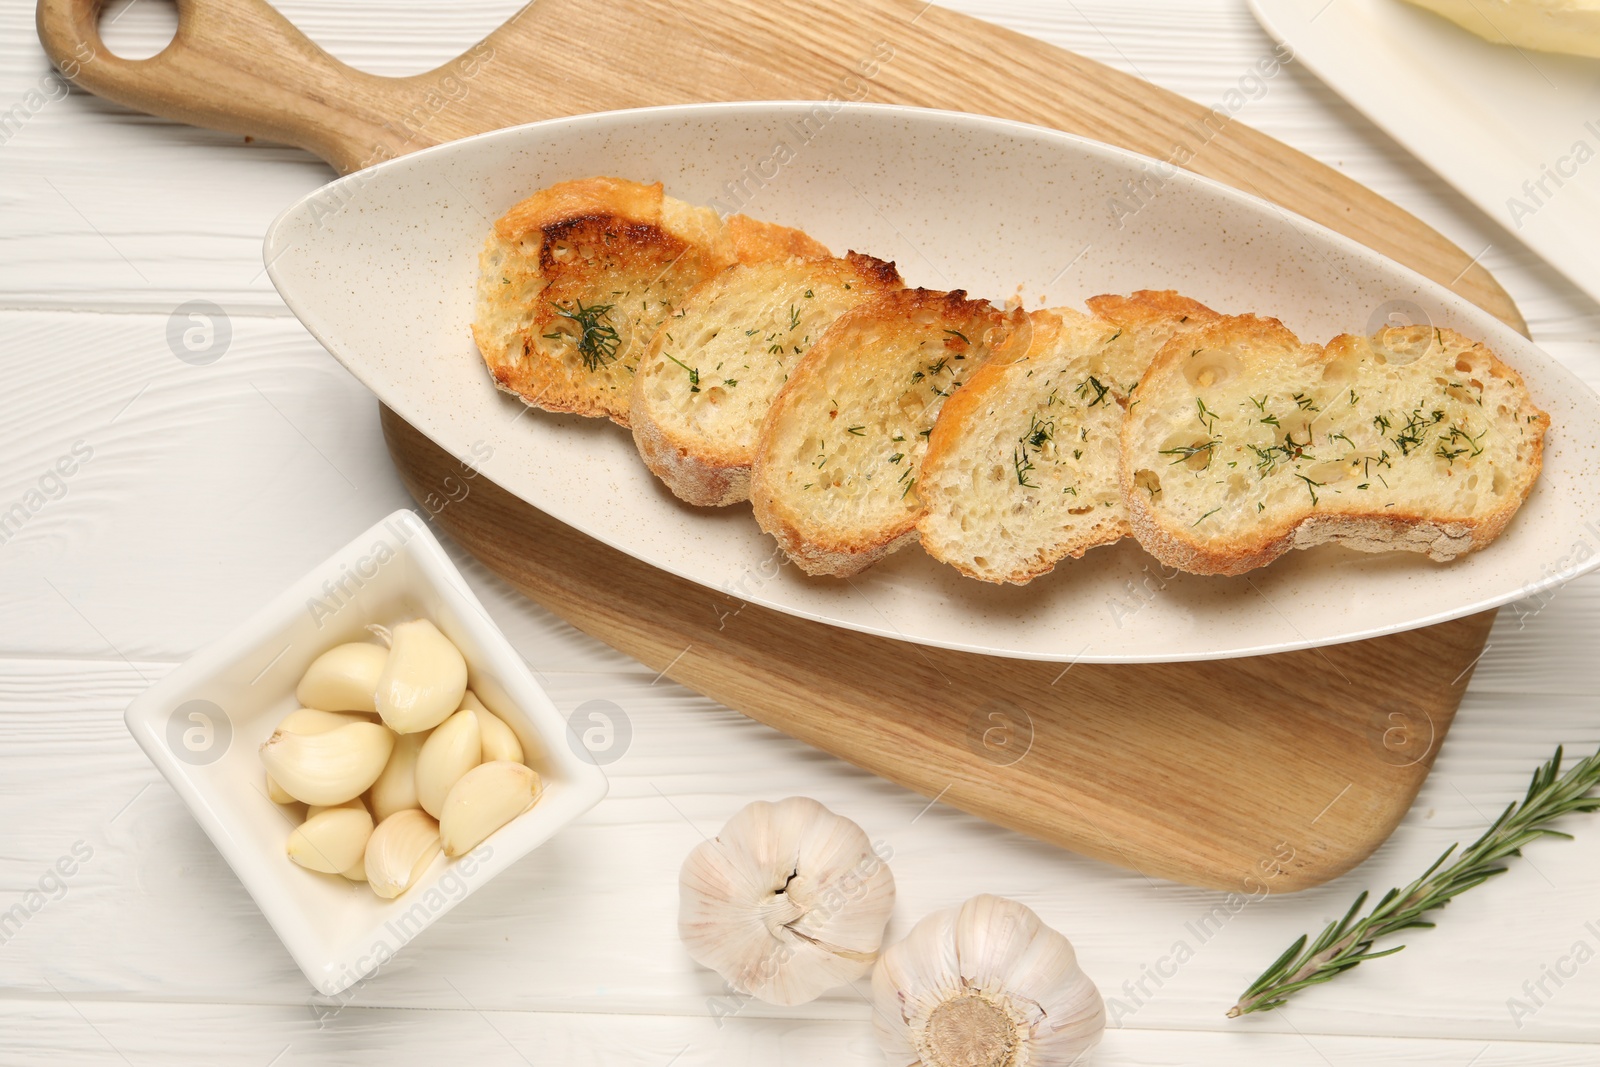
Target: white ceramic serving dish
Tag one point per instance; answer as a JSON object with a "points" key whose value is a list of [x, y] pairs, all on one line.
{"points": [[381, 266], [1494, 121], [202, 726]]}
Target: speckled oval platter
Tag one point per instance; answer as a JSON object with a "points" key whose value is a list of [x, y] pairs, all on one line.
{"points": [[381, 267]]}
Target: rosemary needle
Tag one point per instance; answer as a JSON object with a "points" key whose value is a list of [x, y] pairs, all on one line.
{"points": [[1344, 944]]}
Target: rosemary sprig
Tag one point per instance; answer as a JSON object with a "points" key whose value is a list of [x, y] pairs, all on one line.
{"points": [[1344, 944]]}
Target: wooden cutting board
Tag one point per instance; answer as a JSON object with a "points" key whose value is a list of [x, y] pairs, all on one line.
{"points": [[1275, 771]]}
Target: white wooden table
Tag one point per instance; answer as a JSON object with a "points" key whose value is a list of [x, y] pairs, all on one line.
{"points": [[208, 488]]}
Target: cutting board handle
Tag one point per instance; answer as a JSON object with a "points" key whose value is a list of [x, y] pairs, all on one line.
{"points": [[237, 66]]}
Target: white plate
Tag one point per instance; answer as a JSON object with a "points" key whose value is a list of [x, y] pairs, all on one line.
{"points": [[1488, 118], [381, 265]]}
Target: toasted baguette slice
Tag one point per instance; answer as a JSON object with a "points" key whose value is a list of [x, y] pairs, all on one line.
{"points": [[1146, 320], [1245, 443], [704, 385], [574, 281], [835, 470], [1022, 466]]}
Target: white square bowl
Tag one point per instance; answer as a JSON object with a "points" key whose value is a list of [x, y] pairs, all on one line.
{"points": [[202, 726]]}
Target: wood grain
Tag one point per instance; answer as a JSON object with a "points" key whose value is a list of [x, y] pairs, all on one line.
{"points": [[237, 65], [1280, 772]]}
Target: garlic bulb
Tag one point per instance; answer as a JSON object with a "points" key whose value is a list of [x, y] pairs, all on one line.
{"points": [[789, 901], [986, 983]]}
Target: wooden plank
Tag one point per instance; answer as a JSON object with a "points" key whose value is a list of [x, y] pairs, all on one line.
{"points": [[1200, 772], [245, 69], [173, 528], [587, 924], [73, 1031], [1173, 788]]}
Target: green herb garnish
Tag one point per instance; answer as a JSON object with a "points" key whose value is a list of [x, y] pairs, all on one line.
{"points": [[597, 339], [1346, 943], [694, 373]]}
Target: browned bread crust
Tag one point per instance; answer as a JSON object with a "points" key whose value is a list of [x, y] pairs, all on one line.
{"points": [[575, 280], [834, 476]]}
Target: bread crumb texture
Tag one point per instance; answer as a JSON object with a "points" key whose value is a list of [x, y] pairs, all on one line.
{"points": [[704, 386], [1243, 442], [574, 281], [858, 415], [840, 452], [1021, 470]]}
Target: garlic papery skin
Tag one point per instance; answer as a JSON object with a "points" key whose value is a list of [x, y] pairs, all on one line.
{"points": [[787, 902], [986, 984], [344, 678]]}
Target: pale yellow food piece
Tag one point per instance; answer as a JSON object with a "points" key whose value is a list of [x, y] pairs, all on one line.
{"points": [[1022, 466], [835, 470], [1571, 26], [714, 367], [574, 281], [1245, 443]]}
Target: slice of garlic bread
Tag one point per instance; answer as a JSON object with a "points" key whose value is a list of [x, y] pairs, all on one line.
{"points": [[574, 281], [711, 371], [1022, 466], [1245, 443], [835, 472]]}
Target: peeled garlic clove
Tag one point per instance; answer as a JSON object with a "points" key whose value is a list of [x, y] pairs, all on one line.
{"points": [[276, 793], [312, 721], [328, 768], [332, 840], [344, 678], [318, 809], [985, 983], [396, 788], [453, 749], [357, 872], [485, 799], [499, 740], [788, 902], [423, 679], [399, 850]]}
